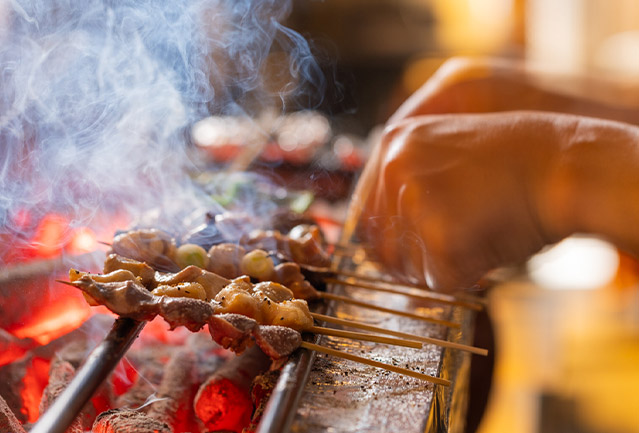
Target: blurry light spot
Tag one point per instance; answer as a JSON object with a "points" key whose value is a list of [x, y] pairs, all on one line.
{"points": [[619, 54], [281, 193], [473, 26], [206, 132], [575, 264], [220, 131], [343, 145], [83, 241]]}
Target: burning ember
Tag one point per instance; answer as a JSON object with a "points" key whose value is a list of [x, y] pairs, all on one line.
{"points": [[93, 120], [154, 387]]}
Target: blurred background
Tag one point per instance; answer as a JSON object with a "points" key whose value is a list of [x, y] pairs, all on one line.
{"points": [[566, 326]]}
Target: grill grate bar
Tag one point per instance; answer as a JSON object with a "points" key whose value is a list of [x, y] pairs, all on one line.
{"points": [[89, 377]]}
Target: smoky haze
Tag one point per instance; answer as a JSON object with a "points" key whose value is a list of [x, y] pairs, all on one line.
{"points": [[97, 98]]}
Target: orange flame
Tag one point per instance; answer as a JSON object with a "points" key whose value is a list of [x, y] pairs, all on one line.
{"points": [[61, 316], [34, 382], [49, 237]]}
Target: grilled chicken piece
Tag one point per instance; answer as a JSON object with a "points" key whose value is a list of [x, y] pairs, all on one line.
{"points": [[210, 282], [273, 291], [307, 245], [277, 341], [187, 290], [292, 314], [290, 275], [151, 246], [232, 331], [125, 298], [269, 303], [115, 262], [118, 275], [131, 299], [114, 276], [305, 248], [193, 314], [237, 298]]}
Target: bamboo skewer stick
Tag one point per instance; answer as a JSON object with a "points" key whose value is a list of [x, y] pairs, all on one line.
{"points": [[428, 340], [342, 253], [361, 360], [429, 296], [366, 337], [342, 248], [465, 300], [425, 292], [347, 300]]}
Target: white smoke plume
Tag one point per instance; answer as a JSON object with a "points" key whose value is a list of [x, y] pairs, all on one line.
{"points": [[97, 97]]}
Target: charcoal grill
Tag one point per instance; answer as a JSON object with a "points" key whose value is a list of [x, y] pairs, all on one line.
{"points": [[317, 393]]}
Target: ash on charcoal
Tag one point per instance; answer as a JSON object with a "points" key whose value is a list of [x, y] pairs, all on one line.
{"points": [[12, 385], [60, 375], [128, 421], [261, 390], [150, 369], [176, 390], [8, 421]]}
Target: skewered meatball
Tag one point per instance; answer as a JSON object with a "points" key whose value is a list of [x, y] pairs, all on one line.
{"points": [[224, 259]]}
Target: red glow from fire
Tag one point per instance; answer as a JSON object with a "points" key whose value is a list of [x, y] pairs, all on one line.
{"points": [[158, 330], [61, 316], [11, 353], [101, 400], [49, 237], [185, 420], [224, 406], [34, 382], [124, 376]]}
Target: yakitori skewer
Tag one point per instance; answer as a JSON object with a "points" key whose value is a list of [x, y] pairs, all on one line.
{"points": [[277, 341], [428, 296], [277, 240], [347, 300], [380, 330], [258, 264], [425, 292], [366, 361], [341, 333]]}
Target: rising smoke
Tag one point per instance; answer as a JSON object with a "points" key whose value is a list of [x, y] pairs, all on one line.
{"points": [[98, 96]]}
